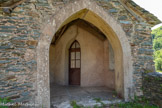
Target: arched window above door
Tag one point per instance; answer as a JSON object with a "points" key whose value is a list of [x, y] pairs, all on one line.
{"points": [[75, 45]]}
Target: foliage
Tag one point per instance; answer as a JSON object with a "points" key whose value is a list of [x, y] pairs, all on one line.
{"points": [[157, 46], [98, 100], [75, 105], [157, 43], [4, 101], [157, 32], [158, 59], [137, 103]]}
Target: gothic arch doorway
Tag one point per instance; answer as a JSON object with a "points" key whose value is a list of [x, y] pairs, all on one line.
{"points": [[74, 63], [102, 20]]}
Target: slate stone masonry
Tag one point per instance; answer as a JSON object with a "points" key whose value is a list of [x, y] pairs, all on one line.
{"points": [[20, 32], [152, 87]]}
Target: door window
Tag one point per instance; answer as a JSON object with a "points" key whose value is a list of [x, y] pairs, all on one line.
{"points": [[75, 55]]}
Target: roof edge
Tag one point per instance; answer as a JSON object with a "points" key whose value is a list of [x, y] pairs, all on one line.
{"points": [[142, 13], [8, 6]]}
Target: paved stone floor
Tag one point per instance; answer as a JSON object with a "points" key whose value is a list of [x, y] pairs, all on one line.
{"points": [[61, 96]]}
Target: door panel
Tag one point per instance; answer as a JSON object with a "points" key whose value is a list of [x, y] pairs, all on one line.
{"points": [[75, 64], [74, 78]]}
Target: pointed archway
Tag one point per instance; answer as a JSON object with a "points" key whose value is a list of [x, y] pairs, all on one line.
{"points": [[92, 13]]}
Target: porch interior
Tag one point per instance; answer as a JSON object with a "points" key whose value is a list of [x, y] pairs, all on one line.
{"points": [[97, 67]]}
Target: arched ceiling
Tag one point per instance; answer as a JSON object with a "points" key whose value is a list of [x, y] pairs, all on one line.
{"points": [[81, 24]]}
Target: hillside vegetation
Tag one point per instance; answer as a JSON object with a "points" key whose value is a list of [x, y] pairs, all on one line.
{"points": [[157, 46]]}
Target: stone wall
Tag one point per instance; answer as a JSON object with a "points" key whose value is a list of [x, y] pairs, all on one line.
{"points": [[20, 32], [138, 34], [152, 87]]}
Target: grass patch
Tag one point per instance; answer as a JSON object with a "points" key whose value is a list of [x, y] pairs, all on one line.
{"points": [[98, 100], [4, 101], [141, 102], [133, 105]]}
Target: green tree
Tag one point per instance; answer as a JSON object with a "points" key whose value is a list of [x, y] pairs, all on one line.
{"points": [[157, 46], [158, 59]]}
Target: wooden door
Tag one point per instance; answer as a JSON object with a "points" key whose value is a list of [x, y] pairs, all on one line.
{"points": [[75, 64]]}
